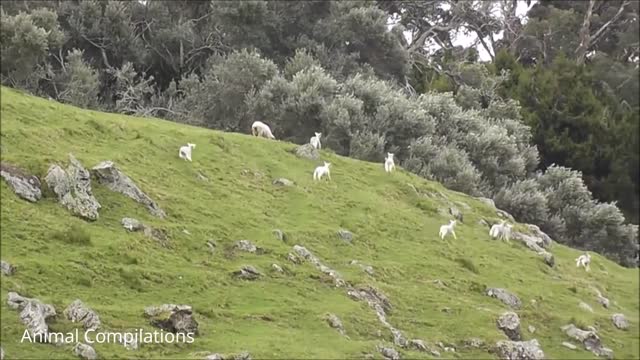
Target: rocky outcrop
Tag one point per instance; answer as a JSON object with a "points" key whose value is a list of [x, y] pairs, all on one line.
{"points": [[519, 350], [240, 356], [534, 243], [302, 252], [247, 272], [33, 314], [388, 352], [457, 214], [589, 339], [601, 299], [366, 268], [307, 151], [283, 182], [246, 245], [542, 239], [277, 268], [132, 224], [345, 235], [584, 306], [620, 321], [78, 312], [334, 322], [173, 318], [7, 269], [73, 189], [280, 235], [569, 345], [110, 176], [24, 185], [85, 351], [506, 297], [509, 323]]}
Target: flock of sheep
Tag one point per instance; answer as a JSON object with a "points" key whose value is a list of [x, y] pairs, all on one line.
{"points": [[501, 230]]}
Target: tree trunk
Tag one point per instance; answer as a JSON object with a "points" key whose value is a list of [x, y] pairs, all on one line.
{"points": [[585, 35]]}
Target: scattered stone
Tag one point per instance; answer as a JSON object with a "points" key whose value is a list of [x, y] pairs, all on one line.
{"points": [[200, 176], [186, 232], [131, 224], [569, 345], [85, 351], [589, 339], [484, 222], [211, 245], [474, 343], [505, 296], [283, 182], [130, 345], [584, 306], [109, 175], [33, 314], [179, 321], [345, 235], [457, 214], [242, 356], [307, 151], [549, 259], [519, 350], [439, 283], [246, 245], [247, 272], [509, 323], [335, 323], [504, 215], [601, 299], [78, 312], [7, 269], [160, 235], [366, 268], [369, 356], [435, 352], [24, 185], [419, 345], [389, 353], [215, 356], [151, 311], [277, 268], [280, 235], [620, 321], [544, 240], [73, 189], [302, 252], [531, 328], [294, 259]]}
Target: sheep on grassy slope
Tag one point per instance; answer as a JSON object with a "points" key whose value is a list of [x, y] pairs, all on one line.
{"points": [[185, 151], [320, 171], [448, 229], [584, 260], [389, 165], [258, 128], [501, 230], [315, 141]]}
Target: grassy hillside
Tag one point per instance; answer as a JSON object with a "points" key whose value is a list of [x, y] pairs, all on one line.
{"points": [[279, 315]]}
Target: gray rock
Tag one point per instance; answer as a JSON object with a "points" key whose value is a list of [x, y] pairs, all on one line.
{"points": [[584, 306], [519, 350], [242, 356], [457, 214], [418, 345], [620, 321], [302, 252], [158, 235], [474, 343], [280, 235], [485, 223], [283, 182], [589, 339], [200, 176], [366, 268], [531, 328], [509, 323], [211, 245], [277, 268], [33, 314], [151, 311], [569, 345], [307, 151], [247, 272], [109, 175], [73, 189], [131, 224], [7, 269], [345, 235], [215, 356], [246, 245], [24, 185], [487, 201], [294, 259], [335, 323], [544, 240], [389, 353], [504, 215], [85, 351], [549, 259], [180, 321], [506, 297], [78, 312]]}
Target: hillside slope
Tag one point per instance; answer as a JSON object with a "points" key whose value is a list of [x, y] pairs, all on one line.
{"points": [[280, 315]]}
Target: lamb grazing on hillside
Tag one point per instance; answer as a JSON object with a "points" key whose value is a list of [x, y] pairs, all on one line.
{"points": [[448, 229], [258, 128], [584, 260], [185, 151], [320, 171], [501, 230], [315, 141], [389, 165]]}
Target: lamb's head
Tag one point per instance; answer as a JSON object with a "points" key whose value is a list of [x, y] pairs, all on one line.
{"points": [[318, 135], [193, 146], [326, 164], [390, 156], [452, 222]]}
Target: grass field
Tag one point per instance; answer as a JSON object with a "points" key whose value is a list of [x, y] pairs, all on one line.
{"points": [[279, 315]]}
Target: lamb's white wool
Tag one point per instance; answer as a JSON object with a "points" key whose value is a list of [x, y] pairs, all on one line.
{"points": [[584, 260], [185, 151], [389, 165], [258, 128], [506, 232], [502, 231], [315, 141], [320, 171], [448, 229]]}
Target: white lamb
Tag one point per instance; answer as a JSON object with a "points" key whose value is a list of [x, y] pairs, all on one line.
{"points": [[584, 260], [315, 141], [502, 231], [448, 229], [389, 165], [185, 151], [496, 229], [320, 171], [258, 128]]}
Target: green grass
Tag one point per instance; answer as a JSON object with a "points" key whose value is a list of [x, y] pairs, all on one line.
{"points": [[118, 273]]}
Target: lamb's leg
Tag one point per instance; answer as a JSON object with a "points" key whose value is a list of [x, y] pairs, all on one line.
{"points": [[454, 234]]}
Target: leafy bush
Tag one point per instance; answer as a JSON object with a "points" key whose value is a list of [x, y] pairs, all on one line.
{"points": [[524, 200]]}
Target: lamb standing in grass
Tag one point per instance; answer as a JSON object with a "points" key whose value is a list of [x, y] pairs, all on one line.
{"points": [[315, 141], [502, 231], [389, 165], [258, 128], [185, 151], [320, 171], [584, 260], [448, 229]]}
